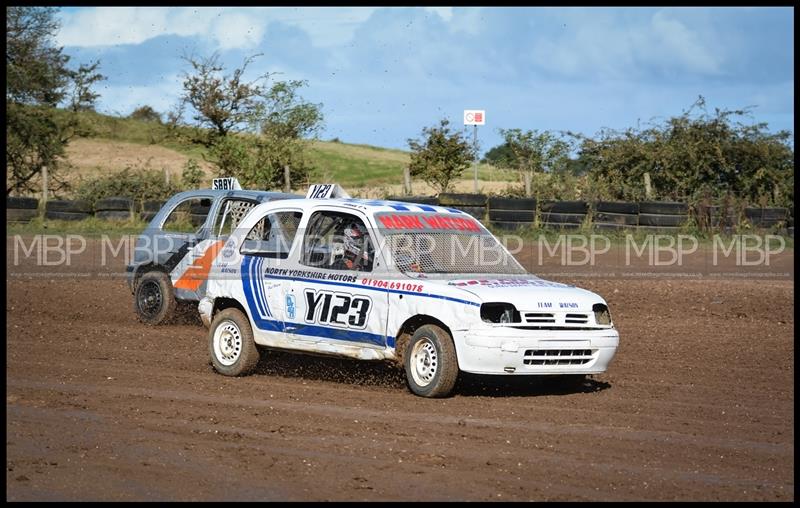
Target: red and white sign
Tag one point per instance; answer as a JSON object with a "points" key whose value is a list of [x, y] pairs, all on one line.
{"points": [[474, 117]]}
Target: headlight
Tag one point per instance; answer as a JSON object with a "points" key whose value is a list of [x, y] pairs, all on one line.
{"points": [[601, 314], [499, 313]]}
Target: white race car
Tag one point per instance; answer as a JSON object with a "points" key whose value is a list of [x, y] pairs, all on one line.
{"points": [[426, 286]]}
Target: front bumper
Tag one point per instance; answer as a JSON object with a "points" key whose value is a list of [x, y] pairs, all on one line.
{"points": [[507, 350]]}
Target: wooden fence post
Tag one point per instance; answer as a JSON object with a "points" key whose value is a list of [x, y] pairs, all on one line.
{"points": [[407, 181], [648, 190]]}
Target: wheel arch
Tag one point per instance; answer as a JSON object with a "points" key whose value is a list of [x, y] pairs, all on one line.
{"points": [[410, 326], [223, 302], [143, 269]]}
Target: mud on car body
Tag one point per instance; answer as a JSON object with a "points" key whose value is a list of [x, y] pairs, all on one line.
{"points": [[171, 256], [422, 285]]}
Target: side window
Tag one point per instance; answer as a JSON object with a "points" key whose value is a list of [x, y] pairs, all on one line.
{"points": [[230, 214], [272, 236], [188, 216], [337, 241]]}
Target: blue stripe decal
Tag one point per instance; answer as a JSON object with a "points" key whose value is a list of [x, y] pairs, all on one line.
{"points": [[247, 287], [454, 210], [255, 284], [426, 208], [370, 288], [325, 332], [263, 291]]}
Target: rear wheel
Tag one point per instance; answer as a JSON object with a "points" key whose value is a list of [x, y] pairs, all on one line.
{"points": [[430, 362], [231, 345], [154, 299]]}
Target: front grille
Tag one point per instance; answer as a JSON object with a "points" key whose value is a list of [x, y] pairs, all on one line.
{"points": [[539, 317], [577, 318], [557, 356]]}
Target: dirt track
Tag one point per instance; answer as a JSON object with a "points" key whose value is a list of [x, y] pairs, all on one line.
{"points": [[697, 405]]}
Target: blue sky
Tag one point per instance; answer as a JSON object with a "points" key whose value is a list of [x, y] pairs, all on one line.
{"points": [[384, 73]]}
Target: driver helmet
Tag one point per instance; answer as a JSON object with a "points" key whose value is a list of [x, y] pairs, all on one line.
{"points": [[354, 244]]}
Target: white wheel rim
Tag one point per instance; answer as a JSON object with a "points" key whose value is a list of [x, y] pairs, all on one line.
{"points": [[424, 362], [227, 342]]}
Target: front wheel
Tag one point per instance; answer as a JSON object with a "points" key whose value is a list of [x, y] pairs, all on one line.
{"points": [[430, 362], [154, 298], [230, 342]]}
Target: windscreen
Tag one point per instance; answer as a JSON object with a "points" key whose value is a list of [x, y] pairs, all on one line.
{"points": [[443, 243]]}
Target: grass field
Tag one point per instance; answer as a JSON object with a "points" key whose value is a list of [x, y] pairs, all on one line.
{"points": [[363, 170]]}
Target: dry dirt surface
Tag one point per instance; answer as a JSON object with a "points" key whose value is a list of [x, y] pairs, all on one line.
{"points": [[697, 405]]}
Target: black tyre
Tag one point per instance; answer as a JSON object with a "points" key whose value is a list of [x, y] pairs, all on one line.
{"points": [[430, 362], [154, 298], [152, 205], [565, 207], [453, 199], [604, 226], [114, 203], [20, 215], [231, 345], [617, 207], [21, 203], [510, 225], [615, 218], [769, 214], [63, 205], [66, 215], [662, 220], [479, 212], [663, 208], [562, 218], [511, 215], [526, 204], [560, 225], [113, 214]]}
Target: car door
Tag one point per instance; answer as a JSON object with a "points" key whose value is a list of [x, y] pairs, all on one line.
{"points": [[190, 276], [332, 306], [182, 234], [265, 252]]}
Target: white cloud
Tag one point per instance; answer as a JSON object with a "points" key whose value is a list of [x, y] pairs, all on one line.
{"points": [[683, 44], [602, 43], [228, 27], [237, 30], [446, 13]]}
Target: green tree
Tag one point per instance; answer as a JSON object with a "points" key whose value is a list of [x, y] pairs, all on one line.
{"points": [[37, 81], [192, 175], [146, 114], [222, 103], [253, 131], [287, 123], [80, 94], [36, 69], [440, 156], [533, 151], [695, 154], [500, 155]]}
